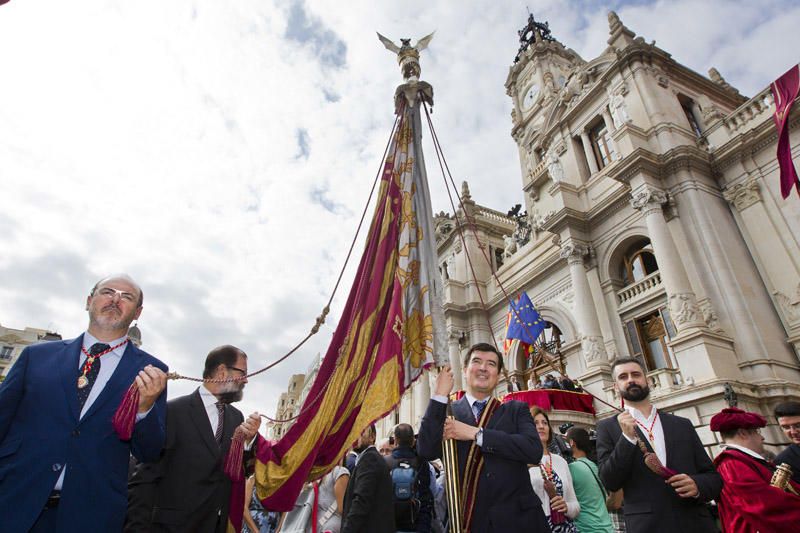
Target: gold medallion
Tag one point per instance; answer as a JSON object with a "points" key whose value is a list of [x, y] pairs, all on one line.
{"points": [[82, 381]]}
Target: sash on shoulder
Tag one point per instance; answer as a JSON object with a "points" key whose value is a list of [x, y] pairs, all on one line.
{"points": [[474, 468]]}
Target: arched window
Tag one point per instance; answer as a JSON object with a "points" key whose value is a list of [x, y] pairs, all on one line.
{"points": [[638, 263]]}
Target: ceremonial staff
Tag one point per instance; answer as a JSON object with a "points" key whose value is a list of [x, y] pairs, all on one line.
{"points": [[453, 486]]}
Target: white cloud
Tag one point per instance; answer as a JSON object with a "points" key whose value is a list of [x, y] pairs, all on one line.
{"points": [[162, 139]]}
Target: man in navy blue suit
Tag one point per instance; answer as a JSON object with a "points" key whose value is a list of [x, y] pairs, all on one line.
{"points": [[62, 466], [495, 444]]}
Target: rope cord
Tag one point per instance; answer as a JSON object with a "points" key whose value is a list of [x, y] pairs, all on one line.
{"points": [[321, 318], [471, 225]]}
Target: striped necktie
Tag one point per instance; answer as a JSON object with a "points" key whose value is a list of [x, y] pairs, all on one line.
{"points": [[220, 420], [477, 409]]}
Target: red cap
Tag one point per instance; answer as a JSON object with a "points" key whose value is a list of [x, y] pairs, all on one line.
{"points": [[733, 418]]}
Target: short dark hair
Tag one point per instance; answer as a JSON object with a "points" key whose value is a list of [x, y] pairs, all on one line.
{"points": [[404, 435], [581, 439], [484, 347], [790, 408], [624, 361], [221, 355]]}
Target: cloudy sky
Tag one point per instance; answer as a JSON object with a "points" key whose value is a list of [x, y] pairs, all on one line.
{"points": [[221, 152]]}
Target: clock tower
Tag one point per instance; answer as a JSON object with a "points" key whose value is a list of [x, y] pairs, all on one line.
{"points": [[541, 69]]}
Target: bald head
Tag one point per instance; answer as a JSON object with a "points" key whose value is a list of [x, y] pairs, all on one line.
{"points": [[120, 277]]}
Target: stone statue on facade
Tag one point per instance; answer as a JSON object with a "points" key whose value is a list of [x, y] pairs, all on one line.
{"points": [[554, 167], [619, 113], [509, 246]]}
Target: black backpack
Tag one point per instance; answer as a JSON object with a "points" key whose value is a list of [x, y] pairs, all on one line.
{"points": [[404, 492]]}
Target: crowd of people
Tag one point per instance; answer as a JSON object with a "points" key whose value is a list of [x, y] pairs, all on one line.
{"points": [[63, 468]]}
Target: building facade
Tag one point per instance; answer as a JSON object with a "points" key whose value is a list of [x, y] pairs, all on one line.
{"points": [[13, 341], [288, 406], [653, 227]]}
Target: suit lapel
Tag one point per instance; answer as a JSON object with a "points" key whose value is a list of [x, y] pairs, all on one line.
{"points": [[69, 373], [197, 412], [120, 380], [463, 412], [667, 428]]}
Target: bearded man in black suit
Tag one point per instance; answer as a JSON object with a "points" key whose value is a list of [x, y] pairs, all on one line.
{"points": [[653, 504], [187, 489]]}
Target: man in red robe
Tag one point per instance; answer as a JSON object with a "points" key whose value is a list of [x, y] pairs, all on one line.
{"points": [[748, 503]]}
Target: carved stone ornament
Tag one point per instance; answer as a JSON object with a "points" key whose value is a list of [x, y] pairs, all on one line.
{"points": [[573, 253], [509, 246], [744, 194], [594, 351], [648, 199], [618, 110], [554, 167], [789, 304], [709, 315], [683, 309]]}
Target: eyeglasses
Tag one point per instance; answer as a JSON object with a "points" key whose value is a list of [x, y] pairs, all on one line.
{"points": [[108, 292], [244, 372], [791, 427]]}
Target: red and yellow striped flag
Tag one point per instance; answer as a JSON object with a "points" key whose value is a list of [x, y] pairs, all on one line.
{"points": [[391, 329]]}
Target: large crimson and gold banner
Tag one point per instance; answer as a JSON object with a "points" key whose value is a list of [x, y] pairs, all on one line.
{"points": [[390, 330]]}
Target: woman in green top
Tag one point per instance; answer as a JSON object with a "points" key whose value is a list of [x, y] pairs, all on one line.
{"points": [[591, 494]]}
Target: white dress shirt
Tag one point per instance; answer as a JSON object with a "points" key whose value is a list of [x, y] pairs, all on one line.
{"points": [[209, 402], [471, 400], [654, 421]]}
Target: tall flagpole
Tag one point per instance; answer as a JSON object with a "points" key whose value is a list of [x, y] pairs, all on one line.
{"points": [[409, 96]]}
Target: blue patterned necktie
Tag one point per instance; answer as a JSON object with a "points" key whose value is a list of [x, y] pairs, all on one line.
{"points": [[477, 409], [91, 375]]}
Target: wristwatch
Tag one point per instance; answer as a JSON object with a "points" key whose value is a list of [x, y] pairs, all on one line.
{"points": [[478, 434]]}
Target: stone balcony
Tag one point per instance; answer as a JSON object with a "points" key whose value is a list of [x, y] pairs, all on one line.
{"points": [[640, 291]]}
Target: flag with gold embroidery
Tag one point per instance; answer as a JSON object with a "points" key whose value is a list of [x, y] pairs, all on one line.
{"points": [[392, 327]]}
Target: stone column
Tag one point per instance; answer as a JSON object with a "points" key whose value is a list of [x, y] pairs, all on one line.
{"points": [[454, 346], [422, 396], [587, 148], [682, 300], [594, 350], [608, 120]]}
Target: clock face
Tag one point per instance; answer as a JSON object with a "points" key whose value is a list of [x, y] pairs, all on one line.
{"points": [[531, 95]]}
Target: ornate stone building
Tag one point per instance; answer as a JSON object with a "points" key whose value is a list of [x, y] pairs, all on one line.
{"points": [[654, 228], [288, 405], [13, 341]]}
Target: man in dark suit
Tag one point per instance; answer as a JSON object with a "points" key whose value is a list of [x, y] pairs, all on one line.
{"points": [[186, 489], [62, 466], [653, 504], [506, 440], [788, 415], [368, 504]]}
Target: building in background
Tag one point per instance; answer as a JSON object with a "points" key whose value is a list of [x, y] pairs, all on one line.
{"points": [[653, 227], [288, 406], [13, 341]]}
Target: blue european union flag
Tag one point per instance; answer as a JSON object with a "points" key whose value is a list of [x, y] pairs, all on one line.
{"points": [[528, 315]]}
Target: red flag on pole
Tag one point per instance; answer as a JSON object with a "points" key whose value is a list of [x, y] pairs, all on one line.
{"points": [[784, 91], [390, 330]]}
